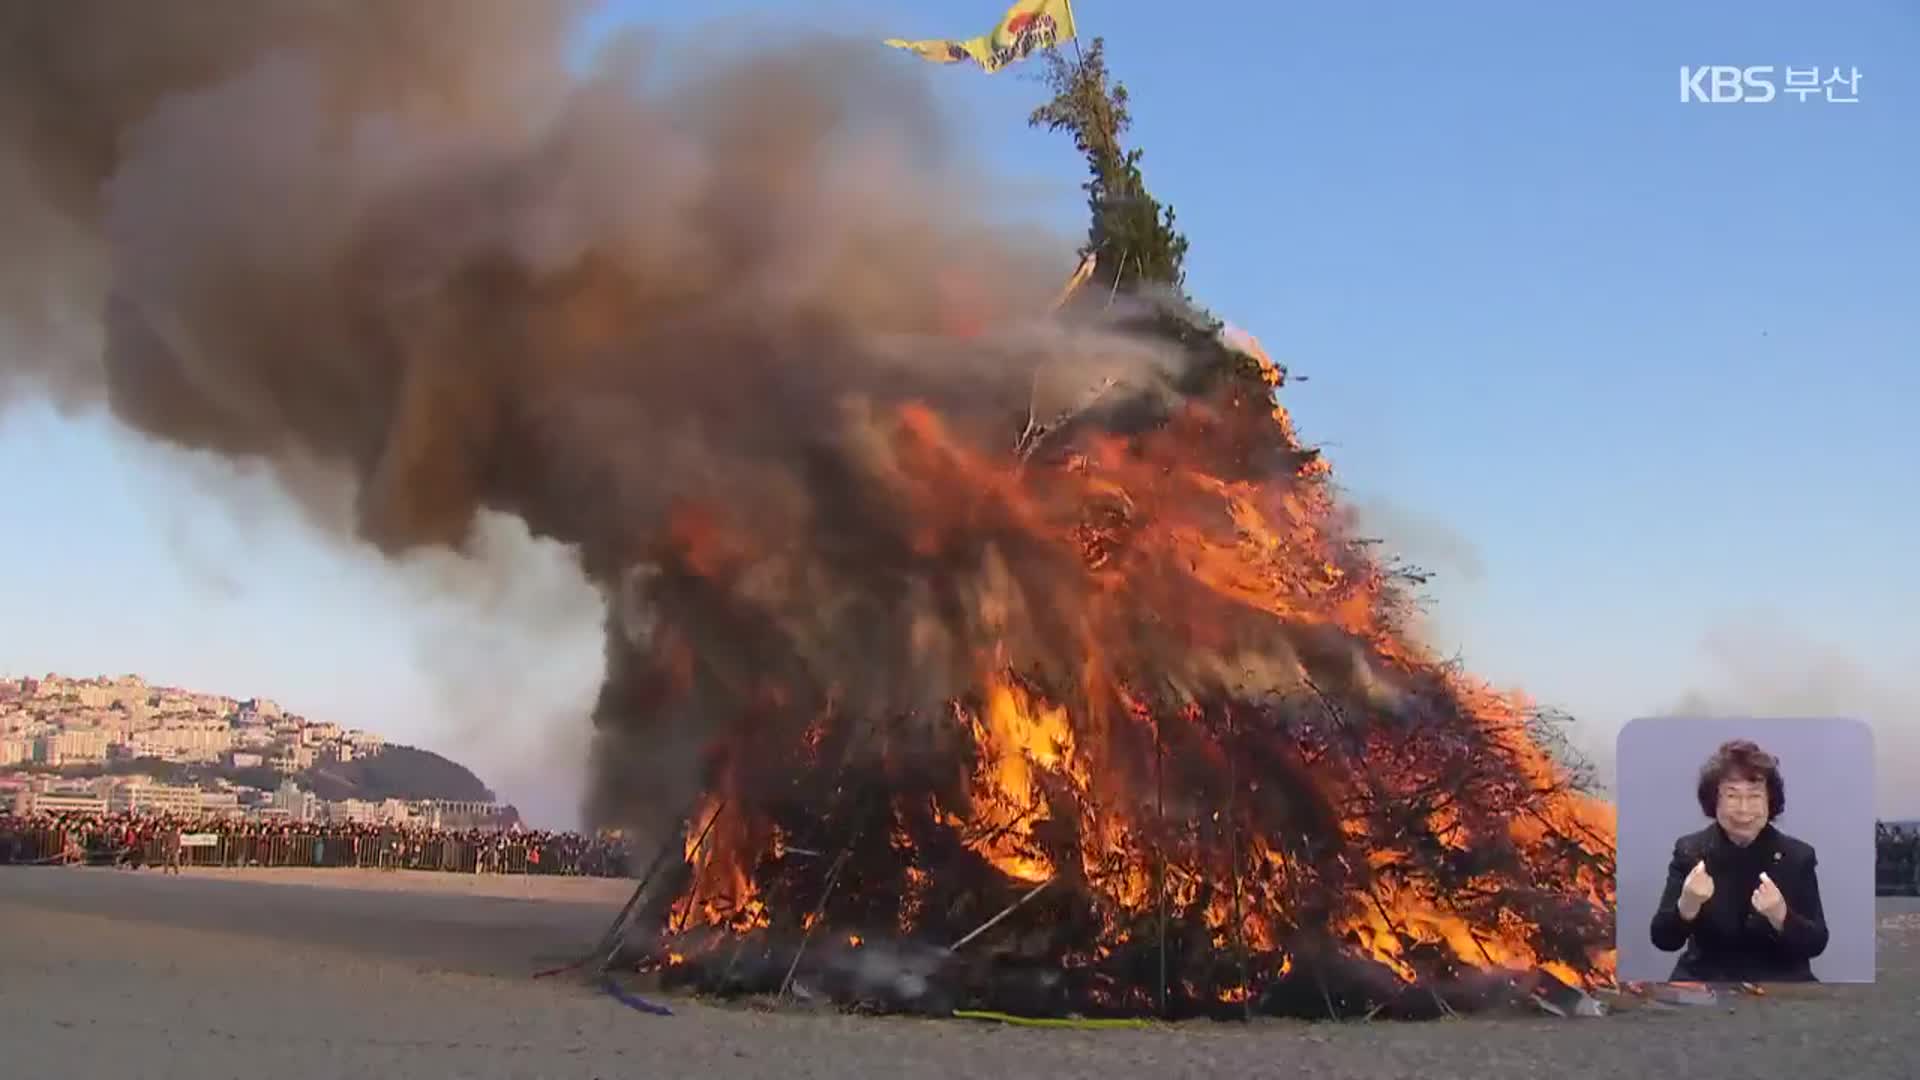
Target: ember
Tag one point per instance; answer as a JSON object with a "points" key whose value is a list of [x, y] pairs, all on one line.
{"points": [[1200, 765]]}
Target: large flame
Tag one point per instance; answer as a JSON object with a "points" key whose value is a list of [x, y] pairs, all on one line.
{"points": [[1223, 723], [742, 344]]}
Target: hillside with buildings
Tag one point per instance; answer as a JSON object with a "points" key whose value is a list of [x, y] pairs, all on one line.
{"points": [[123, 745]]}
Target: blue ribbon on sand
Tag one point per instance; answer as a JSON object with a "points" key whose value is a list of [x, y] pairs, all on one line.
{"points": [[633, 1001]]}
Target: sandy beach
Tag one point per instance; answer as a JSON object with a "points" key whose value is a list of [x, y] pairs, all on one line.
{"points": [[294, 974]]}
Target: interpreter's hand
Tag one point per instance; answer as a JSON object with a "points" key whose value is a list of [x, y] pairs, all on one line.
{"points": [[1768, 902], [1695, 891]]}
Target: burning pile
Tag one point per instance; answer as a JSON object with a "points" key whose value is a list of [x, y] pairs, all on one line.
{"points": [[928, 599], [1196, 753]]}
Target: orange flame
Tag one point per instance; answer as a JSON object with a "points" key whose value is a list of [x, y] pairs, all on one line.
{"points": [[1216, 556]]}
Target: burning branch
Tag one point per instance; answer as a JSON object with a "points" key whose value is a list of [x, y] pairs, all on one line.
{"points": [[1035, 431], [1385, 828], [693, 853]]}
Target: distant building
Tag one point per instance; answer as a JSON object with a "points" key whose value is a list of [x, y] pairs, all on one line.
{"points": [[96, 697], [214, 704], [59, 802], [71, 747], [365, 742], [186, 742], [365, 812], [220, 803], [126, 691], [464, 814], [315, 734], [251, 798], [290, 759], [55, 720], [15, 752], [139, 795], [253, 738], [296, 803]]}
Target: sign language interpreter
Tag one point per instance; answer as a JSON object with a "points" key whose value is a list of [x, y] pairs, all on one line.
{"points": [[1742, 899]]}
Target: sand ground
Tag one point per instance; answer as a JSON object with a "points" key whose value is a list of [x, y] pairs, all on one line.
{"points": [[291, 974]]}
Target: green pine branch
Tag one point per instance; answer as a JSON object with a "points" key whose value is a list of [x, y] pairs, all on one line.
{"points": [[1135, 236]]}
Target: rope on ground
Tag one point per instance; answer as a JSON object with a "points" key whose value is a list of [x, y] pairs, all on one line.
{"points": [[1049, 1022], [633, 1001]]}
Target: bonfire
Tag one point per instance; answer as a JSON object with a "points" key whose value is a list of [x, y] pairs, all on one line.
{"points": [[1204, 766], [1098, 705]]}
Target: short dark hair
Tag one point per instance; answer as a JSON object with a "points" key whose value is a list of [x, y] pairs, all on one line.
{"points": [[1741, 759]]}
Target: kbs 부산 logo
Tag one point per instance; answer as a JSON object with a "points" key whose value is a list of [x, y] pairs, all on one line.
{"points": [[1729, 84]]}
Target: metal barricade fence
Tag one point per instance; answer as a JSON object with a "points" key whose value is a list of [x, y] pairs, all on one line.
{"points": [[227, 845]]}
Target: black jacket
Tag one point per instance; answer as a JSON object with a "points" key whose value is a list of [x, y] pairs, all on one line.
{"points": [[1728, 941]]}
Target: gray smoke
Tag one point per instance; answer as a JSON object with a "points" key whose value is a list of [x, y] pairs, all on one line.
{"points": [[1762, 667], [1428, 542], [402, 258]]}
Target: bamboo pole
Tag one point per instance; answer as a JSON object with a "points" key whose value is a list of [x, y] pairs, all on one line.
{"points": [[1233, 833], [780, 887], [819, 909], [1160, 818], [1109, 137], [995, 921], [1287, 865], [692, 853], [609, 944]]}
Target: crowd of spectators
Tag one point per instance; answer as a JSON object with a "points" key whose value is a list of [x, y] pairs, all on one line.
{"points": [[137, 841], [1897, 859]]}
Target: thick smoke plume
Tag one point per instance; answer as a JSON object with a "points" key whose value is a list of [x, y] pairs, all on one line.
{"points": [[1762, 665], [405, 245], [940, 591]]}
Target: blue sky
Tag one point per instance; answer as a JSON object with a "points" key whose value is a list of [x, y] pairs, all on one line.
{"points": [[1635, 376]]}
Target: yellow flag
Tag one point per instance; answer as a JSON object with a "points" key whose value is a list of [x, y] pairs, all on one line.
{"points": [[1028, 27]]}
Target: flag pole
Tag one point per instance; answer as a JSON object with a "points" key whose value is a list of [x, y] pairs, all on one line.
{"points": [[1108, 136], [1080, 62]]}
